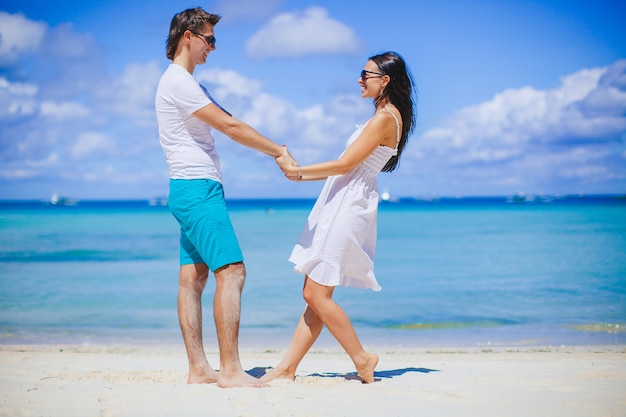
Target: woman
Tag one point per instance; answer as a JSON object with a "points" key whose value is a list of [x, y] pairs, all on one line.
{"points": [[338, 242]]}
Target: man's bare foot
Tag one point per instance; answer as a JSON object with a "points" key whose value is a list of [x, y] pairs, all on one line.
{"points": [[277, 373], [240, 380], [206, 377], [366, 368]]}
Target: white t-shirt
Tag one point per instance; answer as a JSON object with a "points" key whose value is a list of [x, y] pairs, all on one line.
{"points": [[187, 141]]}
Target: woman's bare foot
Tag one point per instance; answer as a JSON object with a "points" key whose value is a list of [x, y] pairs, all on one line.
{"points": [[365, 368], [278, 373], [240, 380]]}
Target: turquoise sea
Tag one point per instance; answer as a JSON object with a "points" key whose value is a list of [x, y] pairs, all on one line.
{"points": [[454, 272]]}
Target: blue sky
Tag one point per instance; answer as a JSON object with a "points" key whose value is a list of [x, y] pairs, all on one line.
{"points": [[513, 96]]}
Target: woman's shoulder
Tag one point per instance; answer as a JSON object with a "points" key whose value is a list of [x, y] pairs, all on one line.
{"points": [[388, 116]]}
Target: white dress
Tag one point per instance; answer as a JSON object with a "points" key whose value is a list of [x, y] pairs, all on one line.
{"points": [[338, 242]]}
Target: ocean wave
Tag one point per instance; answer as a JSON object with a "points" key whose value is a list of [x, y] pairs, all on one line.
{"points": [[602, 327], [75, 255], [450, 325]]}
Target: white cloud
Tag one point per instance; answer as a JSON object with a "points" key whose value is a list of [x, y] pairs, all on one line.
{"points": [[63, 42], [67, 116], [117, 176], [132, 94], [18, 35], [69, 119], [64, 111], [228, 82], [314, 133], [297, 34], [21, 89], [534, 138], [93, 144], [17, 99], [30, 168], [16, 174]]}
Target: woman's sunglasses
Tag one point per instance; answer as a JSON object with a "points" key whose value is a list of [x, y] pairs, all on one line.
{"points": [[365, 72], [210, 40]]}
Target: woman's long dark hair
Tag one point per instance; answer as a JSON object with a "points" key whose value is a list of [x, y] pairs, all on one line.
{"points": [[399, 92]]}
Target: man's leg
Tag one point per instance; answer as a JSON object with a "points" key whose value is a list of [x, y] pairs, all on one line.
{"points": [[227, 310], [191, 282]]}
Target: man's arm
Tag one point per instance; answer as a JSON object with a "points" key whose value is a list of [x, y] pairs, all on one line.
{"points": [[237, 130]]}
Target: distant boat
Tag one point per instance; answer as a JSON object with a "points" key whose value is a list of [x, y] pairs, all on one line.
{"points": [[161, 201], [517, 199], [521, 198], [386, 197], [57, 200]]}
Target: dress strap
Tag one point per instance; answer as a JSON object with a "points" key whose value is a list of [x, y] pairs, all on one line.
{"points": [[398, 136]]}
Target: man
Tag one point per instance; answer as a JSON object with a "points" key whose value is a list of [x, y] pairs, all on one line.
{"points": [[186, 114]]}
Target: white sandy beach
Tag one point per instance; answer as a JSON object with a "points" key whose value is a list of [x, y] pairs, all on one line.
{"points": [[108, 381]]}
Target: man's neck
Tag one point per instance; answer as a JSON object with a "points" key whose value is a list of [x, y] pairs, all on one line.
{"points": [[184, 62]]}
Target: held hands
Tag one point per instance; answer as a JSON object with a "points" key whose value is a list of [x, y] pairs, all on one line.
{"points": [[289, 165]]}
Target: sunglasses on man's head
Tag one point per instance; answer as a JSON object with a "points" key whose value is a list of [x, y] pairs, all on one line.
{"points": [[364, 75], [210, 40]]}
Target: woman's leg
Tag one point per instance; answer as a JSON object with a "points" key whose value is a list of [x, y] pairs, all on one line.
{"points": [[306, 333], [319, 299]]}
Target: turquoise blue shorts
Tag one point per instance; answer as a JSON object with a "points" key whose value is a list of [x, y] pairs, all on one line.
{"points": [[206, 232]]}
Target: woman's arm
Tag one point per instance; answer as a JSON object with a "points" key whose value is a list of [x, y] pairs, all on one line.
{"points": [[380, 127]]}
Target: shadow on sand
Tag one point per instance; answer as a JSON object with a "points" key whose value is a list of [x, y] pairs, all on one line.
{"points": [[258, 372]]}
